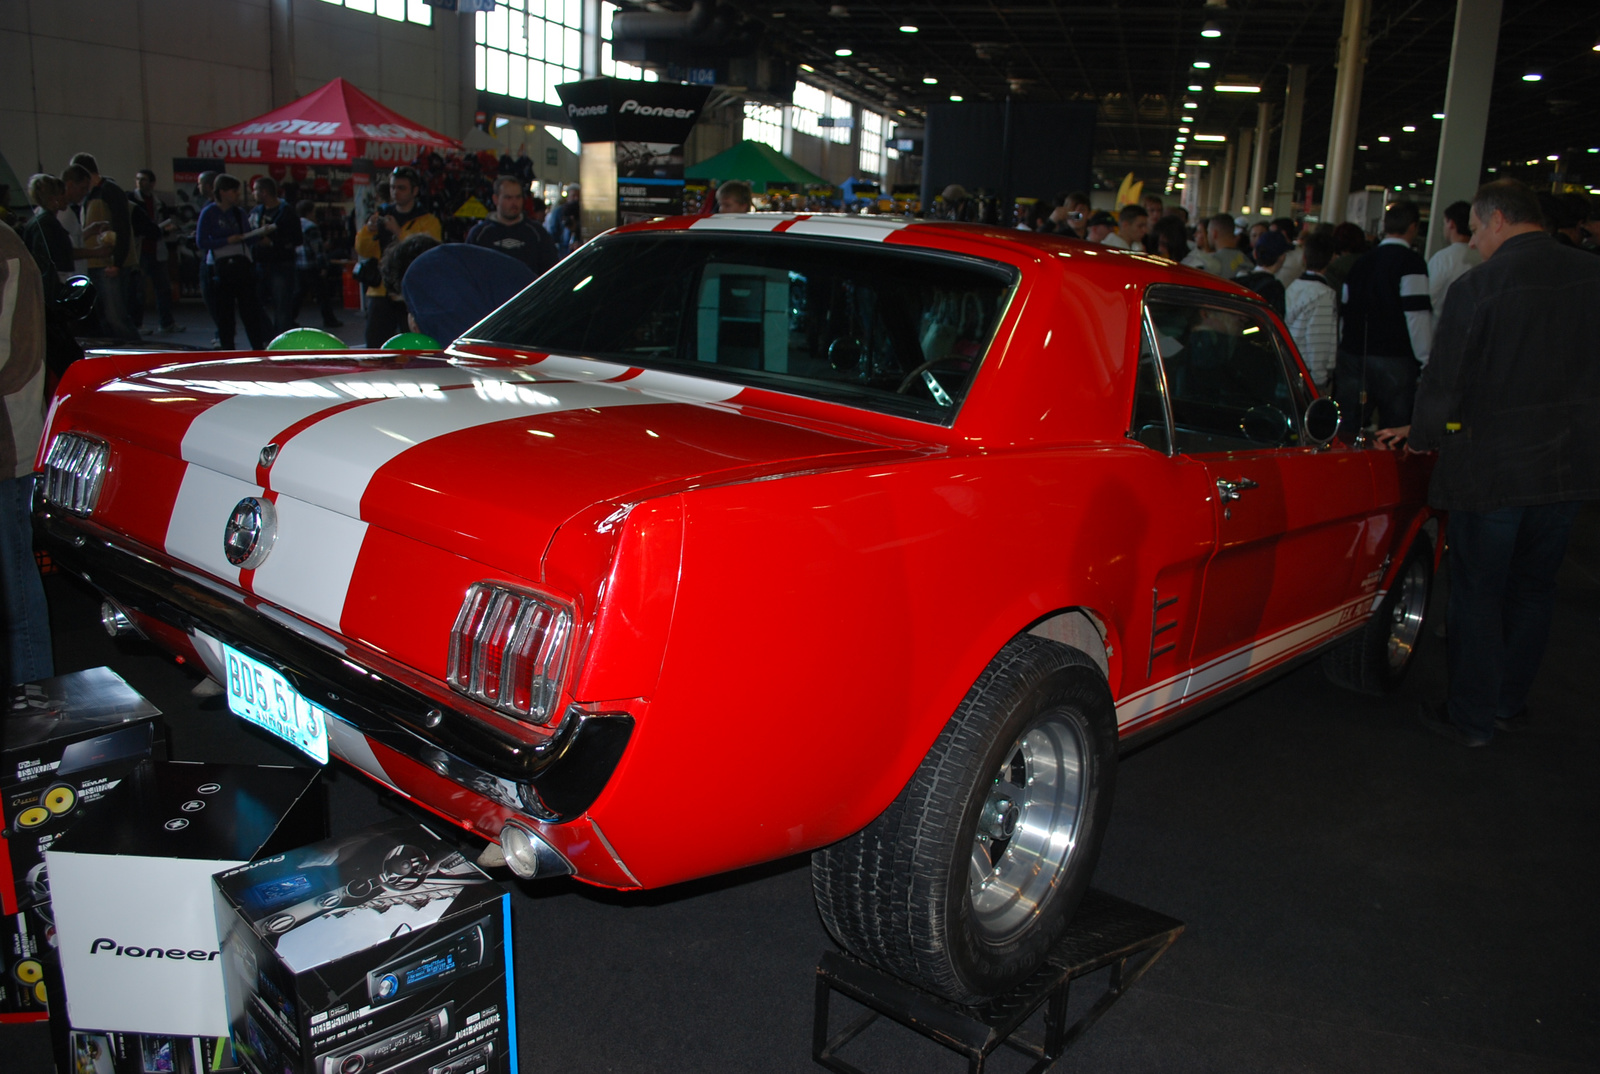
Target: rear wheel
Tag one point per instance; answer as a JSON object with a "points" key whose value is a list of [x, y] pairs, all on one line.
{"points": [[967, 880], [1375, 659]]}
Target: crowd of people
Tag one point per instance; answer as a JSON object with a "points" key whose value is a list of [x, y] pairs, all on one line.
{"points": [[264, 254]]}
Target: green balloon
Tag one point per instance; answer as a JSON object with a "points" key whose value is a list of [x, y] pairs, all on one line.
{"points": [[307, 339], [412, 341]]}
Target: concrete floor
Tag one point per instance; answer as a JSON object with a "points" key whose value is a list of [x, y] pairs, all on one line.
{"points": [[1359, 894]]}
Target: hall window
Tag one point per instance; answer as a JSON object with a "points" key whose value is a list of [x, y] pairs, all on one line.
{"points": [[614, 67], [764, 123], [811, 103], [871, 142], [526, 48], [416, 11]]}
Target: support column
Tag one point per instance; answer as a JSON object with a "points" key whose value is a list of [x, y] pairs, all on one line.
{"points": [[280, 51], [1258, 169], [1294, 103], [1466, 110], [1241, 186], [593, 32], [1230, 160], [1346, 109]]}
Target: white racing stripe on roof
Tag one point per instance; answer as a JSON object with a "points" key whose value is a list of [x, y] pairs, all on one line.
{"points": [[862, 228], [741, 221], [825, 225], [229, 436]]}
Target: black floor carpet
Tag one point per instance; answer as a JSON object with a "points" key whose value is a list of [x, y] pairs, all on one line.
{"points": [[1360, 895]]}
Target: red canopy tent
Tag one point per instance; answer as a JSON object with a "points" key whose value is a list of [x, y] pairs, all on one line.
{"points": [[333, 125]]}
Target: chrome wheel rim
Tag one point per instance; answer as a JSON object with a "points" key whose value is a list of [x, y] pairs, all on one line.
{"points": [[1405, 619], [1028, 827]]}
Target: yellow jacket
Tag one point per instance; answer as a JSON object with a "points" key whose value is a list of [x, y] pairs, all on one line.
{"points": [[367, 244]]}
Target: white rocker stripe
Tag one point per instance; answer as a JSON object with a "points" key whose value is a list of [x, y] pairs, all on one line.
{"points": [[1234, 667]]}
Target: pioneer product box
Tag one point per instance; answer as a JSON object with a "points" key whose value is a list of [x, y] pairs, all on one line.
{"points": [[64, 743], [94, 1052], [131, 888], [29, 971], [382, 952]]}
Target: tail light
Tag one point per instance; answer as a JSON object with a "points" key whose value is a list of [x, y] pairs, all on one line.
{"points": [[509, 650], [74, 469]]}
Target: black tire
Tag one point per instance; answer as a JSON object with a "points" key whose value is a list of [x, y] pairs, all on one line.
{"points": [[1375, 659], [927, 896]]}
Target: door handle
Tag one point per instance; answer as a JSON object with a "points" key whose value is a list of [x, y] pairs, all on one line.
{"points": [[1230, 490]]}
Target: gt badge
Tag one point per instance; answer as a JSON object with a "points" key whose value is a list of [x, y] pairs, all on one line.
{"points": [[252, 528]]}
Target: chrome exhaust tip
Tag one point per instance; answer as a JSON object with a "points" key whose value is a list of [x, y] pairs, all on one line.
{"points": [[528, 856], [114, 619]]}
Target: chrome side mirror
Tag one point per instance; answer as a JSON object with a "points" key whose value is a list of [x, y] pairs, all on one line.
{"points": [[1266, 424], [1322, 421]]}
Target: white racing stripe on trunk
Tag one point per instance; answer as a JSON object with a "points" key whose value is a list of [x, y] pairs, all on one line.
{"points": [[352, 747], [332, 462], [200, 515], [229, 436], [675, 387], [310, 566]]}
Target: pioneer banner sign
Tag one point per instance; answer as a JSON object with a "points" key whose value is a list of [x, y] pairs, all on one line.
{"points": [[621, 110]]}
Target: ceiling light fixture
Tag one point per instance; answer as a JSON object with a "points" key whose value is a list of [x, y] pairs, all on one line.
{"points": [[1383, 137], [1361, 147], [1552, 156], [1211, 137], [808, 67], [1236, 87], [1201, 65], [1533, 76], [844, 52], [1409, 130], [1197, 89], [1438, 115], [1211, 29], [930, 81], [1183, 130], [908, 29], [1190, 104], [956, 97]]}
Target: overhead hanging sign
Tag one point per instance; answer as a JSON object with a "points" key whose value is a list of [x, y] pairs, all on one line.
{"points": [[622, 110]]}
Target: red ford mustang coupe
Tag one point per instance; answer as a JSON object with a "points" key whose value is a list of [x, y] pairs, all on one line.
{"points": [[736, 537]]}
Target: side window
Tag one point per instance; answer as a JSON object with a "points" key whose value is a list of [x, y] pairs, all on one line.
{"points": [[1225, 377], [1149, 425]]}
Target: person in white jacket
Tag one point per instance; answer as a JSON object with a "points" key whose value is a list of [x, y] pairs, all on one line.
{"points": [[1311, 312], [1455, 257]]}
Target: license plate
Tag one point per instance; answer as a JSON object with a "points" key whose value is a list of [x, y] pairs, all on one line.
{"points": [[263, 697]]}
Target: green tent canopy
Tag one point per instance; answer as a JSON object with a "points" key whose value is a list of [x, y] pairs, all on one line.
{"points": [[757, 163]]}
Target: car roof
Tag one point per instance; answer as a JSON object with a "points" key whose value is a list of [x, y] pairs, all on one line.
{"points": [[1109, 267]]}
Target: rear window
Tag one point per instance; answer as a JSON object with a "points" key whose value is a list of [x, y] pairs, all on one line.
{"points": [[889, 330]]}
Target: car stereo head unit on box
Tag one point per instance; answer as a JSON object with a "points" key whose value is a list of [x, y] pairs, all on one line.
{"points": [[381, 952]]}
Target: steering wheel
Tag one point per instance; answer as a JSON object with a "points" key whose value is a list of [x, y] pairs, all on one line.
{"points": [[911, 377]]}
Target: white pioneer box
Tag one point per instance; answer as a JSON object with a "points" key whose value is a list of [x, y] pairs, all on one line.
{"points": [[131, 887]]}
